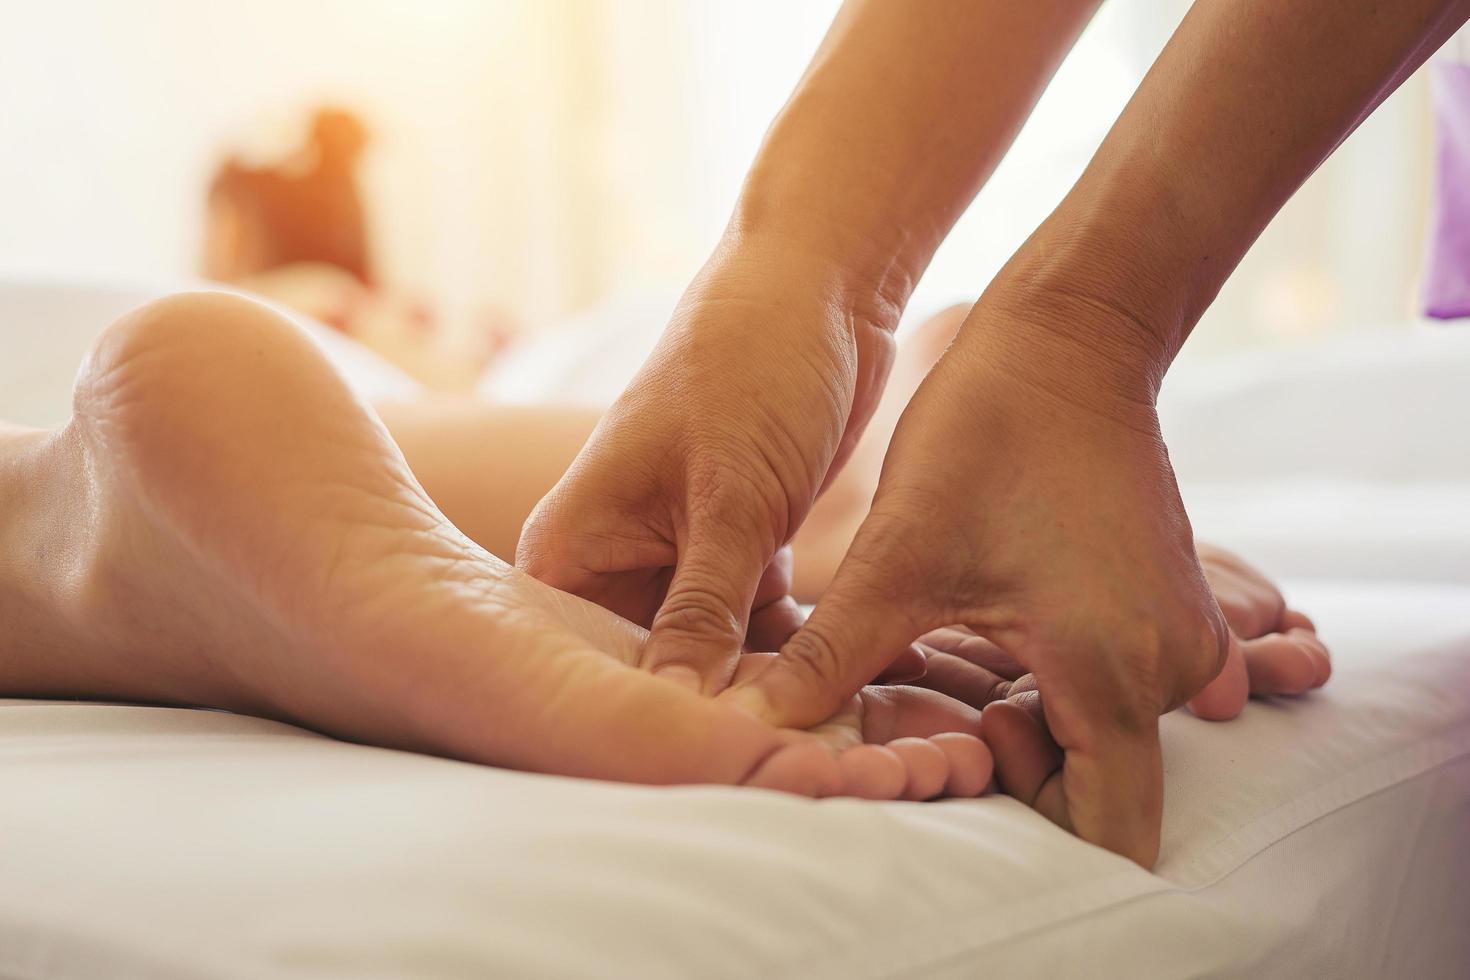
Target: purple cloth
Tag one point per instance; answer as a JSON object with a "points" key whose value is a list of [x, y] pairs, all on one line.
{"points": [[1447, 282]]}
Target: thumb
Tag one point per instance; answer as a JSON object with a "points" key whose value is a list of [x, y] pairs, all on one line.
{"points": [[697, 634], [860, 626]]}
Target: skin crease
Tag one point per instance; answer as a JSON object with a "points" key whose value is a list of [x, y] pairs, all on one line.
{"points": [[1027, 493]]}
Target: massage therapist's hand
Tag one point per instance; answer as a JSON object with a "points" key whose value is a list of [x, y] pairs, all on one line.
{"points": [[676, 513], [1030, 498]]}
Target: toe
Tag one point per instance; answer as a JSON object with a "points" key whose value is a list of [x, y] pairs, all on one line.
{"points": [[1321, 658], [872, 772], [1283, 663], [1293, 619], [970, 764], [1028, 764], [806, 769], [902, 712], [1225, 696], [927, 765]]}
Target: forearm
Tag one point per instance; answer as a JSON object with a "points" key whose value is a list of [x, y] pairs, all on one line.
{"points": [[1247, 99], [904, 112]]}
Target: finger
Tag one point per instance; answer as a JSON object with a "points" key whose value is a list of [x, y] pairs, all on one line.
{"points": [[963, 681], [1028, 764], [773, 624], [560, 535], [860, 626], [774, 614], [699, 630], [1224, 697], [963, 643], [910, 667], [968, 667], [1024, 685]]}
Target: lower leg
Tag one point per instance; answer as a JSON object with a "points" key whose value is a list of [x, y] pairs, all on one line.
{"points": [[486, 465]]}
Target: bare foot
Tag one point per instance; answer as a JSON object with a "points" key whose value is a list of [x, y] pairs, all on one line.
{"points": [[222, 523], [1277, 646], [1275, 651]]}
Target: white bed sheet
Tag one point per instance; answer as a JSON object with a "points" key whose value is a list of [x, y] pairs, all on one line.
{"points": [[1321, 837], [1328, 836]]}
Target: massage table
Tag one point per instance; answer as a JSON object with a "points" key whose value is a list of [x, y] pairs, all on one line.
{"points": [[1322, 836]]}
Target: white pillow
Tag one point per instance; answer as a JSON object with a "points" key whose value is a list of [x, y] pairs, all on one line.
{"points": [[1390, 405], [47, 326]]}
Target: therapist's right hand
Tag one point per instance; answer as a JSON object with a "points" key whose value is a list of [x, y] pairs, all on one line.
{"points": [[1027, 495], [677, 511]]}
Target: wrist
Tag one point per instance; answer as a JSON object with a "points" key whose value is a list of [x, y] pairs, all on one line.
{"points": [[809, 300], [870, 271], [1095, 293], [1128, 240], [1082, 344]]}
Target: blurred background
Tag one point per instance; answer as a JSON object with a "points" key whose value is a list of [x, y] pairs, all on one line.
{"points": [[478, 174]]}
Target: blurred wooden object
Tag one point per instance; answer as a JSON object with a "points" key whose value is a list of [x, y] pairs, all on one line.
{"points": [[305, 209]]}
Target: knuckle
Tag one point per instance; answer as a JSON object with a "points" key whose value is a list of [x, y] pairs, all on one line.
{"points": [[813, 657], [723, 494], [542, 546], [698, 614]]}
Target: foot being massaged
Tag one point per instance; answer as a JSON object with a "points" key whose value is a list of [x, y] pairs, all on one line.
{"points": [[223, 524]]}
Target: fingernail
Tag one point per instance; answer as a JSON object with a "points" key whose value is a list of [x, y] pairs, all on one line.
{"points": [[682, 674]]}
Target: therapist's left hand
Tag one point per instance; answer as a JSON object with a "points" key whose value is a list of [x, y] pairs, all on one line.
{"points": [[676, 513]]}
